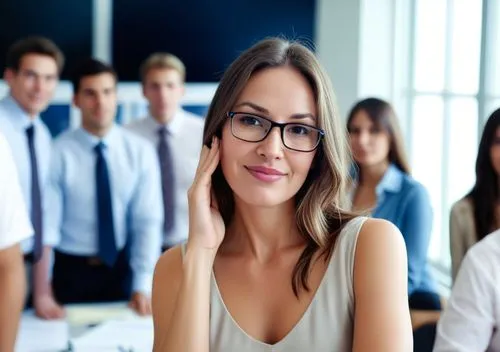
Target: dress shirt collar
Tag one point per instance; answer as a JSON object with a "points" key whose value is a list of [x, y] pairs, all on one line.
{"points": [[390, 182], [91, 140], [173, 127], [18, 117]]}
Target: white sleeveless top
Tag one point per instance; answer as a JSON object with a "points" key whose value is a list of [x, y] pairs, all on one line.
{"points": [[327, 324]]}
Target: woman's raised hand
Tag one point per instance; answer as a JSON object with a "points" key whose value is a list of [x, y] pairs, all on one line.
{"points": [[206, 227]]}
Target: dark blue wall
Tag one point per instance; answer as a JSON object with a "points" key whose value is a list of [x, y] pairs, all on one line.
{"points": [[67, 22], [206, 34]]}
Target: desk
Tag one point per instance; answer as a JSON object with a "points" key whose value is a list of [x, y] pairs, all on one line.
{"points": [[87, 328]]}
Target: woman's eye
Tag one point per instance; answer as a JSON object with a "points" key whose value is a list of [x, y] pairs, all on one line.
{"points": [[250, 121], [300, 130]]}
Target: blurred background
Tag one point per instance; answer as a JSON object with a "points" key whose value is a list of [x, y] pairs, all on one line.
{"points": [[433, 59]]}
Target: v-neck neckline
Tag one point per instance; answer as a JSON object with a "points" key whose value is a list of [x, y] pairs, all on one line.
{"points": [[296, 326]]}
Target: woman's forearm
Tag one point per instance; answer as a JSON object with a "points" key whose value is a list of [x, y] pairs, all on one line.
{"points": [[189, 326], [12, 295]]}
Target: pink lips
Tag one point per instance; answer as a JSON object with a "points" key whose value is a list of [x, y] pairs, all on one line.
{"points": [[265, 174]]}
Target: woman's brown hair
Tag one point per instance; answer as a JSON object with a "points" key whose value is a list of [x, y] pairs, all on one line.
{"points": [[321, 201]]}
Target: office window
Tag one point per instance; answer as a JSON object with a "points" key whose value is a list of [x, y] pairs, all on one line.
{"points": [[448, 101]]}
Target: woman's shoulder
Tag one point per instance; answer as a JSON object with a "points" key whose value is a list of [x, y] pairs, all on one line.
{"points": [[168, 268], [376, 238], [378, 230], [360, 233], [462, 206]]}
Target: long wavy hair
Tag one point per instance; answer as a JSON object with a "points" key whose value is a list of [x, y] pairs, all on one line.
{"points": [[383, 117], [484, 194], [321, 200]]}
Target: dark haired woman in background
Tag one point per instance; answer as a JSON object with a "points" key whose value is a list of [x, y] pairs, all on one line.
{"points": [[478, 213], [384, 187]]}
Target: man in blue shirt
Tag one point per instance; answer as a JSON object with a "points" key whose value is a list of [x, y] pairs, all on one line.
{"points": [[105, 201], [32, 69], [177, 136]]}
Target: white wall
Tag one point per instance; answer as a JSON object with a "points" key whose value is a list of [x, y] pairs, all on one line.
{"points": [[356, 44]]}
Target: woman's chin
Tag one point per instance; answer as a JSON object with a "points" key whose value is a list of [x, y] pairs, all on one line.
{"points": [[261, 198]]}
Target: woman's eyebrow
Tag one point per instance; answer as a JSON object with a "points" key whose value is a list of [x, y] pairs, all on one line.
{"points": [[253, 106], [304, 116], [265, 111]]}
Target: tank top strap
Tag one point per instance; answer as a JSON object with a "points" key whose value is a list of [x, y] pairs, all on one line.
{"points": [[343, 255]]}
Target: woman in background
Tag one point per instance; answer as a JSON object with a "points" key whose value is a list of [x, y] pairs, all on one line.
{"points": [[383, 186], [478, 213]]}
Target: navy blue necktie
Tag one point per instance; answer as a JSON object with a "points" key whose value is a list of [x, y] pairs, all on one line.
{"points": [[167, 180], [36, 197], [106, 231]]}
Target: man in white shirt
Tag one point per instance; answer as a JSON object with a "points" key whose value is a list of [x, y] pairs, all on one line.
{"points": [[105, 201], [32, 72], [471, 320], [15, 226], [176, 134]]}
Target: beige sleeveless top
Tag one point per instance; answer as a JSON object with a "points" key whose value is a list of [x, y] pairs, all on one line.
{"points": [[327, 324]]}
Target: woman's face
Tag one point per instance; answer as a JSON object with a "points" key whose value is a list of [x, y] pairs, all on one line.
{"points": [[266, 173], [369, 143], [495, 151]]}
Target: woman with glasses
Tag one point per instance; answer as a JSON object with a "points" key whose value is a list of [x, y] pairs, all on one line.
{"points": [[273, 261], [383, 186]]}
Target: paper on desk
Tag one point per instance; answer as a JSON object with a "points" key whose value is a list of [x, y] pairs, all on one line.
{"points": [[38, 335], [87, 314], [133, 334]]}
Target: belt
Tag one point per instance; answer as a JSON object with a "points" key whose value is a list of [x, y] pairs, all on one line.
{"points": [[93, 260]]}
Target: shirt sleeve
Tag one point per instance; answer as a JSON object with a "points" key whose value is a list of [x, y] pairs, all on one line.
{"points": [[468, 321], [146, 220], [15, 225], [416, 230]]}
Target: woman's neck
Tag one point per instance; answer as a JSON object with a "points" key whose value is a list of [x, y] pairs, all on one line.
{"points": [[261, 232], [370, 176]]}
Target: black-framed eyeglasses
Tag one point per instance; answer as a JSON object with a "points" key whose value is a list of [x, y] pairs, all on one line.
{"points": [[295, 136]]}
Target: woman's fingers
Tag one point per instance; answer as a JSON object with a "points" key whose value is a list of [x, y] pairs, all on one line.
{"points": [[209, 159], [209, 164]]}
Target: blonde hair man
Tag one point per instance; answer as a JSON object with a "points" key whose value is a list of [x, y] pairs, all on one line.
{"points": [[177, 135]]}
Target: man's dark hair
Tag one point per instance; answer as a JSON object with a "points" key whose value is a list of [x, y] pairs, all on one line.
{"points": [[33, 45], [90, 67]]}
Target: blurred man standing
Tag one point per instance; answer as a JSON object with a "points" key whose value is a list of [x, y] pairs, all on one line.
{"points": [[105, 201], [177, 136], [32, 69]]}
